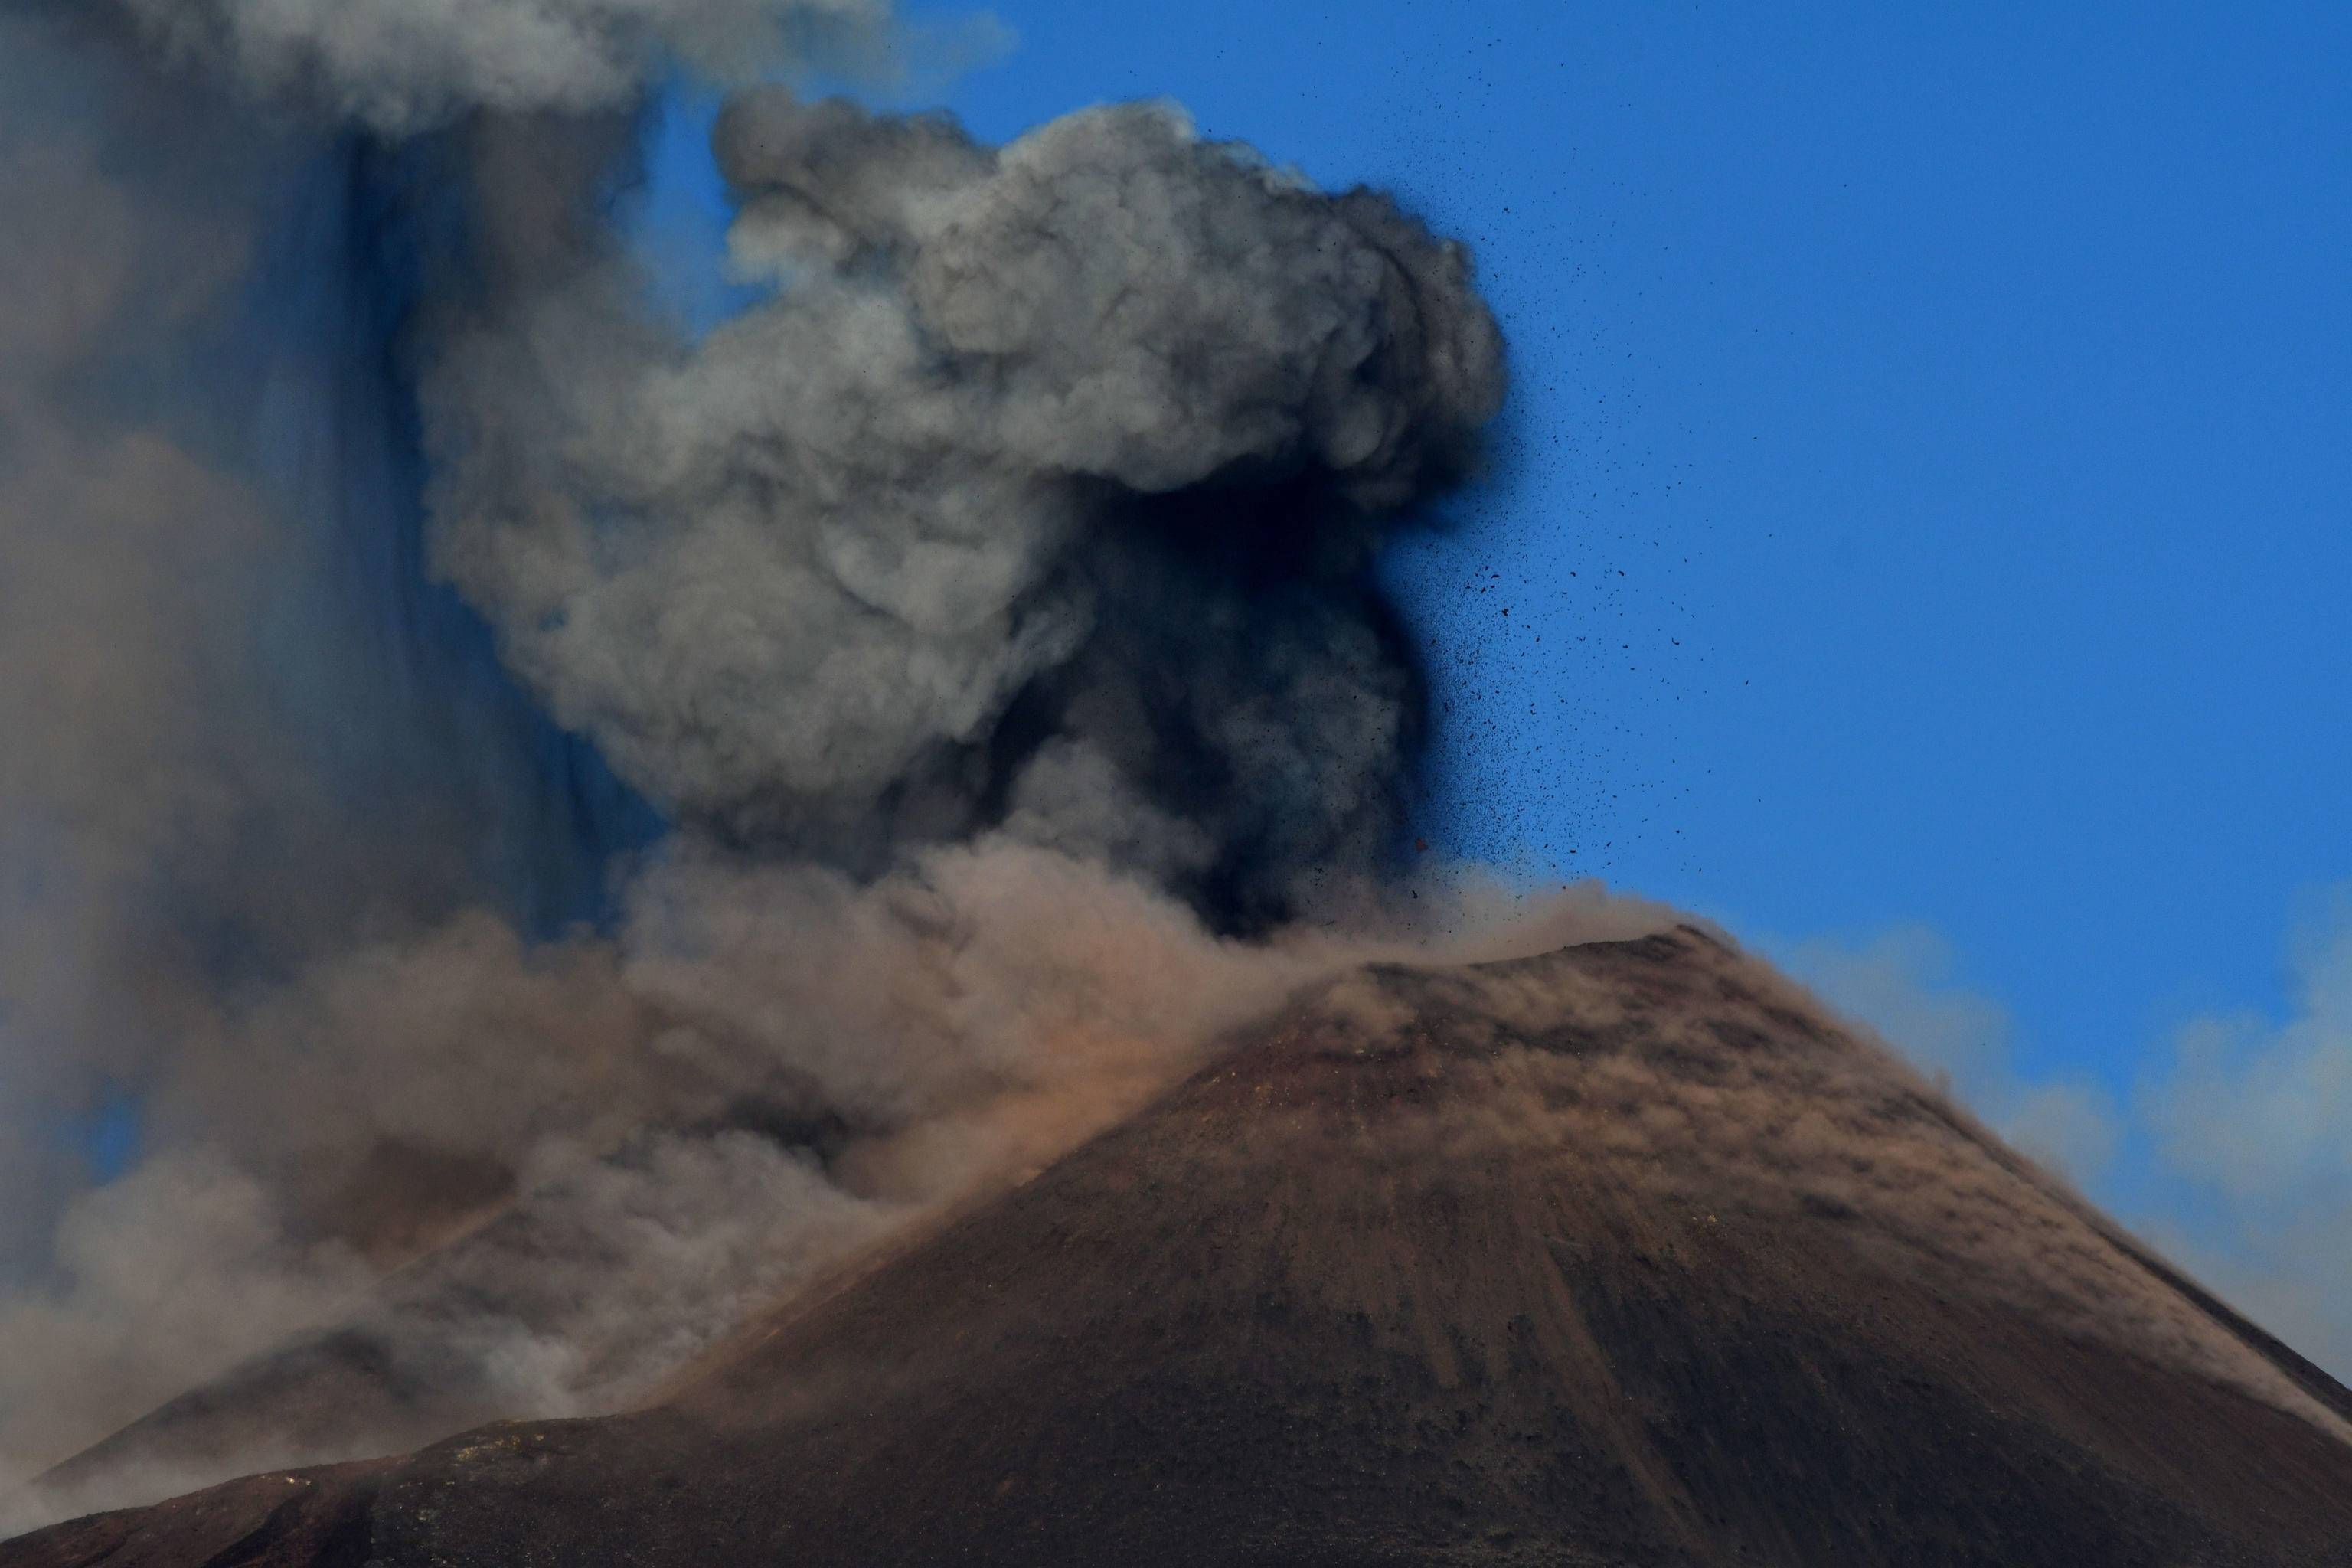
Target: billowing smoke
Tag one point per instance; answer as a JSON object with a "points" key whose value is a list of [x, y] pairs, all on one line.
{"points": [[1043, 491], [399, 66], [494, 775]]}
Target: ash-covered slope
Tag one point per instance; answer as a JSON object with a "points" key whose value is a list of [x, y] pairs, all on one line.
{"points": [[445, 1342], [1622, 1255]]}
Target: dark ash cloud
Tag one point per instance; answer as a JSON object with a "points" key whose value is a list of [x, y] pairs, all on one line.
{"points": [[1063, 459]]}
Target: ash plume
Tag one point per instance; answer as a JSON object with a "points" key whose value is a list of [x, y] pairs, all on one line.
{"points": [[1044, 486], [628, 816]]}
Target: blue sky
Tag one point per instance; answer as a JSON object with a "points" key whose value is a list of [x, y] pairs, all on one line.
{"points": [[1923, 516]]}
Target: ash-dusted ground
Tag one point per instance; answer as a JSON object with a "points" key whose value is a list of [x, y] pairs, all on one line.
{"points": [[1622, 1255]]}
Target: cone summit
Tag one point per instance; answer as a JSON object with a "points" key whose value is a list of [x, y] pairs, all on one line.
{"points": [[1625, 1254]]}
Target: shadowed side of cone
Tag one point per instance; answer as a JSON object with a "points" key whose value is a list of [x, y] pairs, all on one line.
{"points": [[1623, 1255]]}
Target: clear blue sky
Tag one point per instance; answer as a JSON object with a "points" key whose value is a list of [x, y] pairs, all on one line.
{"points": [[1965, 396]]}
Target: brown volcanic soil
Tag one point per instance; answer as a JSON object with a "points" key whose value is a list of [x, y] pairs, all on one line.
{"points": [[1622, 1255]]}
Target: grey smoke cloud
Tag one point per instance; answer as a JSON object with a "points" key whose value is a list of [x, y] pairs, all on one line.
{"points": [[403, 65], [818, 557]]}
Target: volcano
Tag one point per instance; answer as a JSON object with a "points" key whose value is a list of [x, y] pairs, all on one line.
{"points": [[1627, 1254]]}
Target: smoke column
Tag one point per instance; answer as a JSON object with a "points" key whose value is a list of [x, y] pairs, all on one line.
{"points": [[491, 771]]}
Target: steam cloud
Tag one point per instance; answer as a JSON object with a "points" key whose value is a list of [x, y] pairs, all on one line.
{"points": [[866, 746]]}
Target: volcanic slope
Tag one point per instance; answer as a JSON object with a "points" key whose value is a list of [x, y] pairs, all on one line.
{"points": [[1622, 1255]]}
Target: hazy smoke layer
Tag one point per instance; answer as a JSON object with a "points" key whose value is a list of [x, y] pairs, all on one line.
{"points": [[2248, 1115], [2257, 1113], [122, 545], [990, 612]]}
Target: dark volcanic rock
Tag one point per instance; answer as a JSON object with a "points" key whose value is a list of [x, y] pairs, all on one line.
{"points": [[1619, 1256]]}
